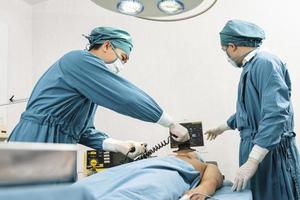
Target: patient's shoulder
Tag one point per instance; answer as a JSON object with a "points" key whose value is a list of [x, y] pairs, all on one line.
{"points": [[194, 161]]}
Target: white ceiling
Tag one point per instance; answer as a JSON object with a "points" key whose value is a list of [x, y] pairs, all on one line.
{"points": [[32, 2]]}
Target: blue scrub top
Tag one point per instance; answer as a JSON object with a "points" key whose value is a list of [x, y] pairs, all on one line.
{"points": [[264, 116], [62, 105], [264, 105]]}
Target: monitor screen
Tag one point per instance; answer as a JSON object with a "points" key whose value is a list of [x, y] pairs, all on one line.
{"points": [[196, 134]]}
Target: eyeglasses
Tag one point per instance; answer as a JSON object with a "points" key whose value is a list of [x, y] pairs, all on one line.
{"points": [[224, 48], [123, 57]]}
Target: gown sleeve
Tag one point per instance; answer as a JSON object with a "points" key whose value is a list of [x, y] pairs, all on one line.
{"points": [[231, 122], [92, 137], [275, 101], [90, 77]]}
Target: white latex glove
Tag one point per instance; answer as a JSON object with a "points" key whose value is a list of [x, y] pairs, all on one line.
{"points": [[165, 120], [140, 148], [179, 133], [213, 133], [244, 174], [248, 169], [124, 147]]}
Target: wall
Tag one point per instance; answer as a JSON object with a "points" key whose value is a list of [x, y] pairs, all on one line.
{"points": [[3, 71], [180, 64], [16, 16]]}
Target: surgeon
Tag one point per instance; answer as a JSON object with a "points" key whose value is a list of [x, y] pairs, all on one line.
{"points": [[63, 103], [269, 159]]}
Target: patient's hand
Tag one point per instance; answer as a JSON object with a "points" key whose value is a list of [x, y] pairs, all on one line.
{"points": [[194, 194], [210, 181]]}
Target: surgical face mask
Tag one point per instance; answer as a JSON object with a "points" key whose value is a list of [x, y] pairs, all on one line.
{"points": [[232, 62], [117, 65]]}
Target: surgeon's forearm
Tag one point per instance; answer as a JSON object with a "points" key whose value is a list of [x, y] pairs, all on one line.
{"points": [[165, 120], [224, 127], [258, 153]]}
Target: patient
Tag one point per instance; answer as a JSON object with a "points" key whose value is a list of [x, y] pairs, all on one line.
{"points": [[211, 178], [159, 178]]}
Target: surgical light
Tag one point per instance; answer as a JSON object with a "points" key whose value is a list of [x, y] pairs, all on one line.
{"points": [[171, 6], [158, 10], [130, 7]]}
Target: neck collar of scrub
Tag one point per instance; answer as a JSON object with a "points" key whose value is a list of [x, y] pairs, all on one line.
{"points": [[249, 56]]}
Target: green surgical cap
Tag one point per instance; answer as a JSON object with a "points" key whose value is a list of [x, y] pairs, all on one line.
{"points": [[242, 33], [120, 39]]}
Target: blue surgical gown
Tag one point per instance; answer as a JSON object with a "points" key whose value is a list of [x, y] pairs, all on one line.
{"points": [[62, 105], [264, 116]]}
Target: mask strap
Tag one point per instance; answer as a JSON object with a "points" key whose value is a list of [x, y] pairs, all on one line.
{"points": [[87, 46], [113, 48]]}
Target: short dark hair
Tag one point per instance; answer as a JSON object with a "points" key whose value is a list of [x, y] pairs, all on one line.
{"points": [[94, 46]]}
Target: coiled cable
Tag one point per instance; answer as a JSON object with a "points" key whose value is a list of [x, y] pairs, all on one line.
{"points": [[155, 148]]}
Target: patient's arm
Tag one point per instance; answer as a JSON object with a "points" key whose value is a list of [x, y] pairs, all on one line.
{"points": [[211, 175], [210, 181]]}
